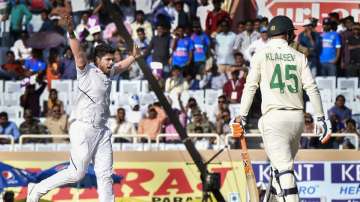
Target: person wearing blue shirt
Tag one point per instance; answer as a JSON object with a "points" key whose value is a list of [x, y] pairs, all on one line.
{"points": [[311, 39], [201, 43], [331, 46], [339, 113], [7, 127], [182, 49], [34, 63]]}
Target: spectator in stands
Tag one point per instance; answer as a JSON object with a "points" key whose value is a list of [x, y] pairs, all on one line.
{"points": [[199, 121], [224, 44], [353, 44], [182, 47], [339, 113], [31, 125], [12, 69], [17, 13], [222, 123], [165, 14], [134, 114], [9, 196], [181, 18], [213, 79], [214, 18], [31, 98], [35, 63], [142, 41], [176, 83], [349, 142], [258, 44], [57, 27], [152, 124], [47, 24], [240, 65], [311, 39], [82, 29], [202, 12], [233, 87], [240, 27], [308, 128], [345, 35], [331, 46], [140, 22], [122, 126], [170, 128], [222, 105], [57, 122], [60, 8], [78, 8], [190, 108], [53, 68], [244, 39], [159, 47], [201, 48], [309, 123], [257, 25], [8, 128], [20, 48], [51, 102], [335, 18], [192, 80], [68, 68]]}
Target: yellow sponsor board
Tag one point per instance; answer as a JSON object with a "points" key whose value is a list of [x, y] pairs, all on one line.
{"points": [[149, 181]]}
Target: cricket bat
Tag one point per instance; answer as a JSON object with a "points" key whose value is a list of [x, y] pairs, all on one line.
{"points": [[238, 132]]}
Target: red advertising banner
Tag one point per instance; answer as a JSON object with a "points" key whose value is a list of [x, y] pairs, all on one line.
{"points": [[299, 10]]}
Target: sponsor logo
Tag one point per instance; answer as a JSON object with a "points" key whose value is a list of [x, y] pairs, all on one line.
{"points": [[303, 172], [345, 172], [7, 175]]}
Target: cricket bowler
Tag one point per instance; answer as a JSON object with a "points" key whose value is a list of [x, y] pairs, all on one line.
{"points": [[282, 74], [90, 138]]}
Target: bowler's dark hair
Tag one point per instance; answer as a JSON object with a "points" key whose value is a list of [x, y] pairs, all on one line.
{"points": [[102, 49]]}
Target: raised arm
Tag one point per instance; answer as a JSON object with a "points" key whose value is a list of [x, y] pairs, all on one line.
{"points": [[79, 54]]}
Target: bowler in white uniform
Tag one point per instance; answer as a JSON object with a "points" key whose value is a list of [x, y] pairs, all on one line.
{"points": [[90, 138]]}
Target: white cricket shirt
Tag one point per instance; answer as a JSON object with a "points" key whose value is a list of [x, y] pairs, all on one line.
{"points": [[93, 98]]}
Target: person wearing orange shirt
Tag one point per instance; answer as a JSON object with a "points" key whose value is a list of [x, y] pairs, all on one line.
{"points": [[53, 69]]}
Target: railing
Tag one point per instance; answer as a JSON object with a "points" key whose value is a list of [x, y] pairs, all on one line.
{"points": [[133, 136], [191, 135], [41, 136], [353, 135], [219, 139], [8, 137]]}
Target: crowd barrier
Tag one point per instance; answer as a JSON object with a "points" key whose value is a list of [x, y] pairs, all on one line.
{"points": [[140, 142]]}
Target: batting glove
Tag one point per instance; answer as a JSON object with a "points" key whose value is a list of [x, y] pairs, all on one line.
{"points": [[237, 126], [323, 129]]}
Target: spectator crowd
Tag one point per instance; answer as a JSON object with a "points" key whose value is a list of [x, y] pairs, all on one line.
{"points": [[187, 44]]}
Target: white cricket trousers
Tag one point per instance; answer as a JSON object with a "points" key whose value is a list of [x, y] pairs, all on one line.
{"points": [[87, 143], [281, 131]]}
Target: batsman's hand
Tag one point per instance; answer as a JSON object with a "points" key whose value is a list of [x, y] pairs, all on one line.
{"points": [[237, 126], [323, 129]]}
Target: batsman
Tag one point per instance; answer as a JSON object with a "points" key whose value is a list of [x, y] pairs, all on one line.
{"points": [[282, 74]]}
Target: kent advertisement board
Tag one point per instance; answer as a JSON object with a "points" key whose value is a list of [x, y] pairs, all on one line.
{"points": [[321, 181]]}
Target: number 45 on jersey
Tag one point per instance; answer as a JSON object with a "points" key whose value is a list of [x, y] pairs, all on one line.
{"points": [[290, 75]]}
